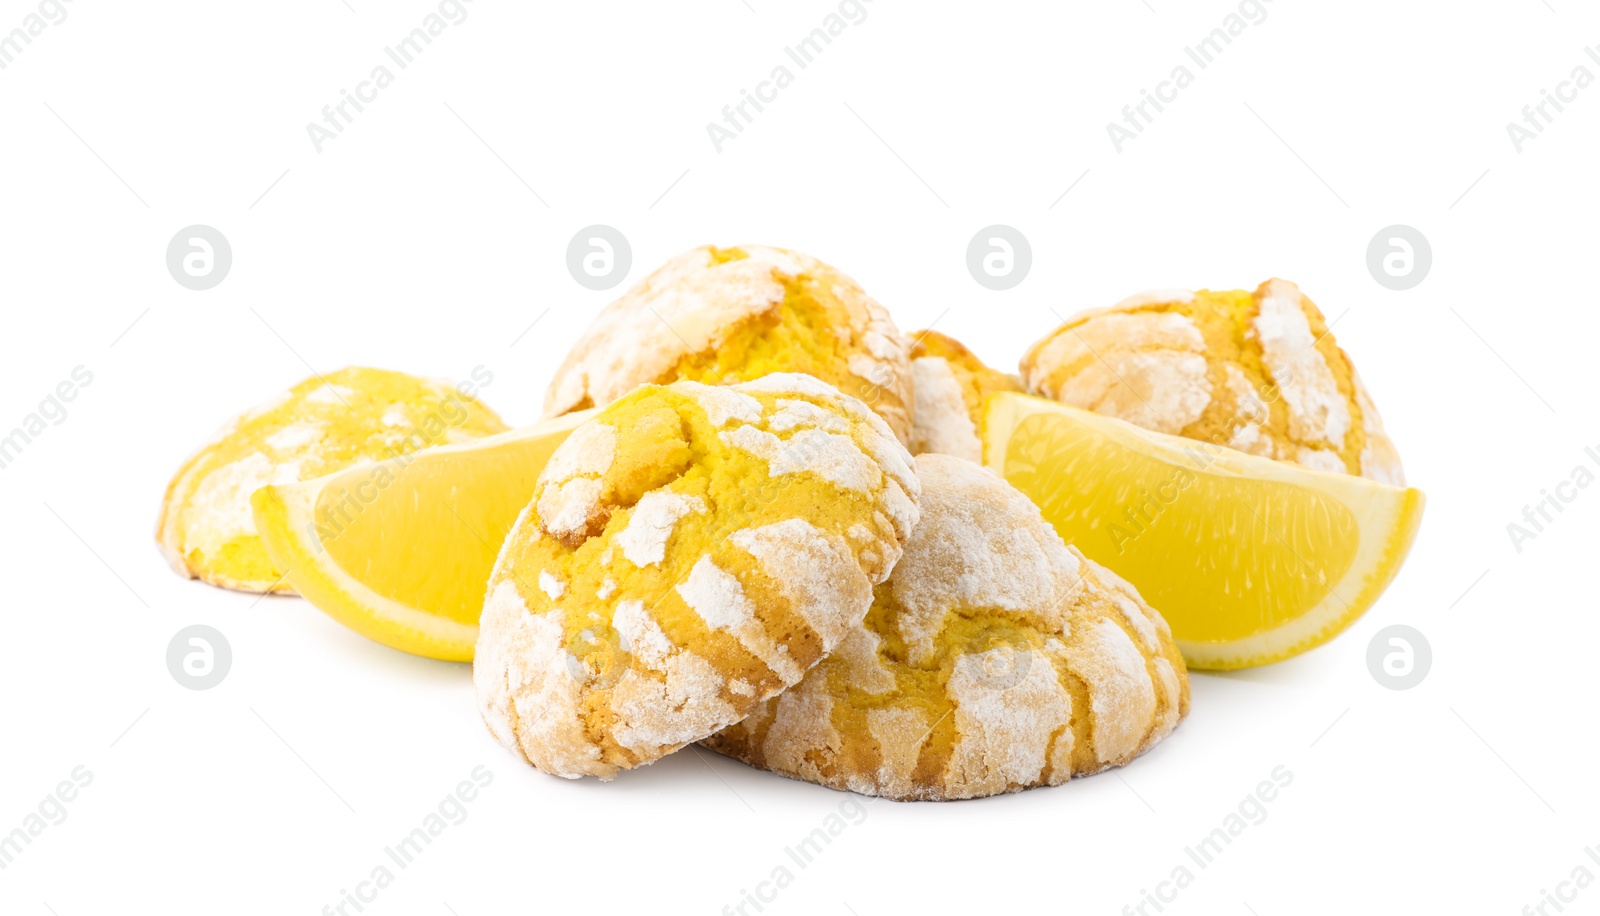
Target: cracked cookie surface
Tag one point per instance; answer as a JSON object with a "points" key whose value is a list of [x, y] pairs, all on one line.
{"points": [[688, 553], [1258, 372], [995, 658], [725, 315]]}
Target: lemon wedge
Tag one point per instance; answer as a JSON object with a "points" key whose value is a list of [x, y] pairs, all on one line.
{"points": [[1250, 560], [400, 550]]}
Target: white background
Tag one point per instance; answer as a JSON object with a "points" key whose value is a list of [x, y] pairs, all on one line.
{"points": [[417, 242]]}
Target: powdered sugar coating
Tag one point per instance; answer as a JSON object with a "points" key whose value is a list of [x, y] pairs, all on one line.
{"points": [[724, 405], [794, 414], [995, 658], [1154, 297], [644, 541], [1121, 690], [226, 492], [672, 697], [951, 385], [721, 602], [1318, 411], [802, 719], [303, 434], [1146, 367], [551, 585], [812, 570], [940, 422], [330, 394], [1379, 459], [568, 509], [525, 683], [794, 384], [589, 450], [1005, 725], [1002, 565], [837, 458]]}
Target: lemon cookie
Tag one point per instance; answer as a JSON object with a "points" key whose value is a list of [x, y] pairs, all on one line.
{"points": [[1257, 372], [688, 553], [949, 384], [722, 315], [324, 424], [995, 658]]}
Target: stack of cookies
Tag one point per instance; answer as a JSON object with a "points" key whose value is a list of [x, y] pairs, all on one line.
{"points": [[740, 550]]}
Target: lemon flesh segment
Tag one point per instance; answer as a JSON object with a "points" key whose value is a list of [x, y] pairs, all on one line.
{"points": [[1250, 560], [400, 551]]}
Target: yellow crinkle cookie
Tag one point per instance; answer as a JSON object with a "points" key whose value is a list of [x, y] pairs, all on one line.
{"points": [[995, 658], [722, 315], [1258, 372], [322, 425], [949, 384], [688, 553]]}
